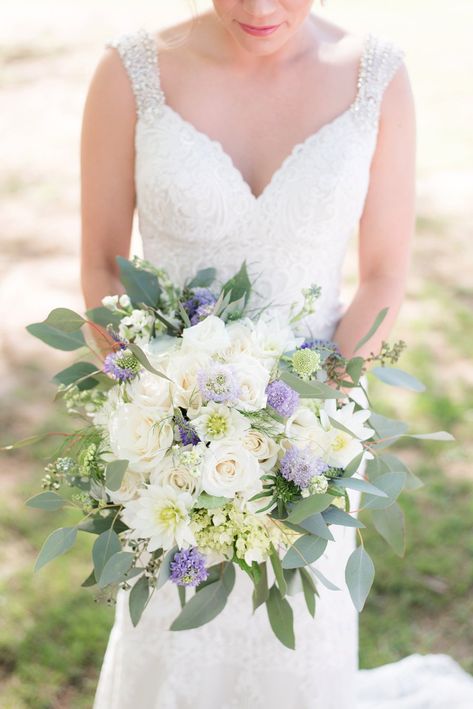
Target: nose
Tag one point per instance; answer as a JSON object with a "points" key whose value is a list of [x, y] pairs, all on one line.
{"points": [[259, 8]]}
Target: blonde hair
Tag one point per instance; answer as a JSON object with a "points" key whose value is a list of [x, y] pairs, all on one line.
{"points": [[178, 38]]}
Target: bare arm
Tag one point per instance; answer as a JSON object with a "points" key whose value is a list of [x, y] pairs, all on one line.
{"points": [[388, 222], [107, 178]]}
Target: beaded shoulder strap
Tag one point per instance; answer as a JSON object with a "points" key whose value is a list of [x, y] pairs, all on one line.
{"points": [[379, 62], [138, 52]]}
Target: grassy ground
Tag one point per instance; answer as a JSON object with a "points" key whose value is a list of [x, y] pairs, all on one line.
{"points": [[52, 635]]}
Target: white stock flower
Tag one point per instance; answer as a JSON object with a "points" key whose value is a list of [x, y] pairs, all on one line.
{"points": [[162, 515], [229, 468], [209, 336], [252, 378], [140, 436], [110, 302], [216, 421], [136, 326], [264, 448]]}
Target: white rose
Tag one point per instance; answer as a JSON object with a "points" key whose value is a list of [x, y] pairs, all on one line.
{"points": [[182, 370], [140, 436], [272, 337], [229, 469], [151, 392], [209, 336], [112, 402], [263, 447], [132, 483], [217, 421], [240, 333], [175, 474], [252, 378]]}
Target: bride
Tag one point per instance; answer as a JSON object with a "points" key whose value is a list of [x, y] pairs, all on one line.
{"points": [[270, 135]]}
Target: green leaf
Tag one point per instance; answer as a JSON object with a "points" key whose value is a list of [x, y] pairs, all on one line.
{"points": [[390, 524], [394, 464], [397, 378], [359, 576], [378, 320], [143, 360], [164, 569], [98, 525], [353, 465], [308, 506], [312, 389], [106, 545], [324, 580], [89, 581], [315, 524], [435, 436], [305, 550], [203, 278], [114, 474], [103, 316], [58, 542], [24, 442], [239, 286], [138, 599], [355, 368], [210, 502], [207, 603], [181, 592], [387, 428], [309, 590], [65, 320], [116, 568], [281, 618], [278, 571], [261, 589], [141, 286], [52, 336], [391, 483], [359, 484], [78, 372], [293, 581], [334, 515], [49, 501]]}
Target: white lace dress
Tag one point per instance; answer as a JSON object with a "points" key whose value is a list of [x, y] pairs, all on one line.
{"points": [[195, 209]]}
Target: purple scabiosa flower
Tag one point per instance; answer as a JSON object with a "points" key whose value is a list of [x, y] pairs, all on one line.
{"points": [[313, 343], [200, 297], [282, 398], [121, 365], [218, 383], [188, 568], [299, 465]]}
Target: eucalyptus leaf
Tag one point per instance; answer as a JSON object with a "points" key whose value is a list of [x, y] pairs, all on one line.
{"points": [[138, 599], [359, 484], [207, 603], [293, 581], [353, 465], [78, 373], [435, 436], [261, 589], [398, 378], [378, 320], [305, 550], [101, 524], [391, 483], [394, 464], [141, 286], [309, 590], [89, 581], [390, 524], [203, 278], [143, 360], [278, 571], [49, 501], [308, 506], [355, 368], [114, 474], [65, 320], [281, 618], [52, 336], [315, 524], [103, 316], [323, 579], [58, 542], [359, 576], [106, 545], [239, 286], [116, 568], [336, 516], [164, 569], [311, 389]]}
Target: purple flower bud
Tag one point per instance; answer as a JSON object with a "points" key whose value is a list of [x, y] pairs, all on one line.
{"points": [[301, 465], [282, 398], [188, 568]]}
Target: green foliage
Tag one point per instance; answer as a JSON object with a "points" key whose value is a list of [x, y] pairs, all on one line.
{"points": [[359, 576], [207, 602], [141, 286]]}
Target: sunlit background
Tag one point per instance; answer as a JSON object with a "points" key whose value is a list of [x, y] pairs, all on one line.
{"points": [[52, 635]]}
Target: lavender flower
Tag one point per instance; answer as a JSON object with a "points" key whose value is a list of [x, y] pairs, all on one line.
{"points": [[199, 303], [313, 343], [188, 568], [282, 398], [300, 466], [121, 365], [218, 383], [187, 434]]}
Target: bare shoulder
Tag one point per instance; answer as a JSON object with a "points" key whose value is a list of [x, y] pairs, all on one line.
{"points": [[110, 89]]}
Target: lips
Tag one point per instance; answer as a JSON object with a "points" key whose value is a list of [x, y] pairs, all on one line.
{"points": [[256, 31]]}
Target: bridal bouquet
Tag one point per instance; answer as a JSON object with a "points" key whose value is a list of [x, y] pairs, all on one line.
{"points": [[212, 436]]}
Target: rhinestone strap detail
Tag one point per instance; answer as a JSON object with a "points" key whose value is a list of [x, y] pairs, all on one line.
{"points": [[139, 56]]}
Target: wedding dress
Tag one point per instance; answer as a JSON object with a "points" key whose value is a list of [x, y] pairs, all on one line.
{"points": [[195, 209]]}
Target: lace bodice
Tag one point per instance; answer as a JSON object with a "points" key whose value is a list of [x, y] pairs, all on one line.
{"points": [[195, 209]]}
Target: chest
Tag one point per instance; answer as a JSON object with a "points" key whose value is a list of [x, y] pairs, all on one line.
{"points": [[257, 120]]}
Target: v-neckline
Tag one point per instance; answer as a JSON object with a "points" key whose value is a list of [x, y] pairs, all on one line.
{"points": [[296, 149]]}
